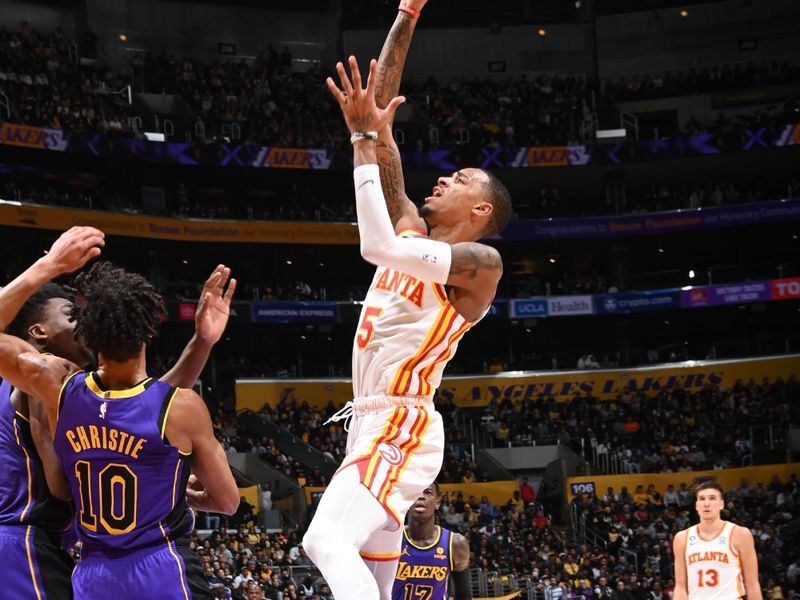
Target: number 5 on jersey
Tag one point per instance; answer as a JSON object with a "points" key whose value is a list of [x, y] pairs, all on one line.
{"points": [[366, 328]]}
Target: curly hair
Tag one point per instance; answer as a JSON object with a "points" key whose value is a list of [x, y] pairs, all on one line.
{"points": [[116, 311], [32, 311]]}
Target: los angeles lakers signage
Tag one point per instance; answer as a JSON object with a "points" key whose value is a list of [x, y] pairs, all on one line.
{"points": [[517, 386]]}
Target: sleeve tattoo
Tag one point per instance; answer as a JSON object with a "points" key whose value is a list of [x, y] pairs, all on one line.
{"points": [[391, 61], [469, 258]]}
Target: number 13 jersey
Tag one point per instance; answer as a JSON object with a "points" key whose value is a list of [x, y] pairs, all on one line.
{"points": [[407, 331], [713, 568], [127, 481]]}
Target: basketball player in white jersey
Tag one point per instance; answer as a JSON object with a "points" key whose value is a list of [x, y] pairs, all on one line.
{"points": [[715, 559], [427, 292]]}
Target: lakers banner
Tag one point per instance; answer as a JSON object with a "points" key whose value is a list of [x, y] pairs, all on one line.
{"points": [[185, 230], [518, 386], [32, 137], [497, 492], [293, 158], [727, 478]]}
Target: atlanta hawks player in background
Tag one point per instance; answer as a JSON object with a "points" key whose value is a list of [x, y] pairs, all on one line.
{"points": [[715, 559]]}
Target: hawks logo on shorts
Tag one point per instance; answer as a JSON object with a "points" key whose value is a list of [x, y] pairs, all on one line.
{"points": [[391, 454]]}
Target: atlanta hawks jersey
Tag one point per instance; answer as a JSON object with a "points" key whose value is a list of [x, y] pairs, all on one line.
{"points": [[407, 332], [713, 568]]}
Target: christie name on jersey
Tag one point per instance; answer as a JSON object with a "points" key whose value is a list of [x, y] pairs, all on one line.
{"points": [[104, 438], [397, 282]]}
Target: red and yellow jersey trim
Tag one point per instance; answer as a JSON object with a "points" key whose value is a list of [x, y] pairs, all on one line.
{"points": [[380, 557], [436, 335]]}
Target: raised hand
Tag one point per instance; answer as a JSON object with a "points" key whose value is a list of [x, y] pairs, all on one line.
{"points": [[73, 249], [214, 306], [357, 103]]}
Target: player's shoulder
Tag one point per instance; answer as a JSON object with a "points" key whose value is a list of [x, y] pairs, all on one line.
{"points": [[739, 532], [186, 404], [682, 535], [458, 541]]}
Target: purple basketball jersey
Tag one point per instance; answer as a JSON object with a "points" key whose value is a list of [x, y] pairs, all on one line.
{"points": [[24, 497], [424, 572], [127, 480]]}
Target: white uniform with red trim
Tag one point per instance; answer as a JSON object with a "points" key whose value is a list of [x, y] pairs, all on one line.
{"points": [[713, 568], [407, 332]]}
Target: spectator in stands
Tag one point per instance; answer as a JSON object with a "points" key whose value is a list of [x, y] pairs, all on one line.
{"points": [[266, 496], [671, 498], [527, 492]]}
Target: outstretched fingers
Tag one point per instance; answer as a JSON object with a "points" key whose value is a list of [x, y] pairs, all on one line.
{"points": [[229, 292], [344, 79], [393, 106], [337, 94], [355, 73], [371, 78]]}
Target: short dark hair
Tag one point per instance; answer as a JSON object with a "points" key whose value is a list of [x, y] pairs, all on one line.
{"points": [[116, 311], [709, 485], [436, 490], [31, 311], [500, 199]]}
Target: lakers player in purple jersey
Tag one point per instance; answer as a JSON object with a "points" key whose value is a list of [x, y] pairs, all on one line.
{"points": [[131, 509], [33, 521], [431, 555]]}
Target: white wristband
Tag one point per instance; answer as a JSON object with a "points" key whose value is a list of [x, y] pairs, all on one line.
{"points": [[363, 135]]}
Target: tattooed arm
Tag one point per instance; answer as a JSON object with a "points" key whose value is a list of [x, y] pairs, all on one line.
{"points": [[389, 72], [475, 270]]}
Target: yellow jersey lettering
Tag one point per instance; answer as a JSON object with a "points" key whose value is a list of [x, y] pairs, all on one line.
{"points": [[139, 445], [72, 442], [83, 438], [123, 439], [94, 434], [113, 434]]}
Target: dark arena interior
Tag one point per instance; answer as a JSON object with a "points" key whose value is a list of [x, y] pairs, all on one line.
{"points": [[644, 337]]}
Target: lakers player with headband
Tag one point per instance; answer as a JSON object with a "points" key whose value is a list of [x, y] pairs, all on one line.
{"points": [[433, 282]]}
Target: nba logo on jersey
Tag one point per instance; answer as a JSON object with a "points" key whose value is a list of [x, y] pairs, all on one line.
{"points": [[103, 408]]}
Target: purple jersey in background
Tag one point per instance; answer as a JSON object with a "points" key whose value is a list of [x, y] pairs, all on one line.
{"points": [[423, 572], [127, 481], [24, 497]]}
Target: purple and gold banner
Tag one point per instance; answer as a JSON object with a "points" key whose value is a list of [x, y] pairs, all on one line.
{"points": [[246, 155], [727, 293]]}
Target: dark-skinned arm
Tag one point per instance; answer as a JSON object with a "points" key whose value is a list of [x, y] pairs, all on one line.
{"points": [[462, 590], [388, 74], [73, 249], [189, 428], [43, 440], [211, 318]]}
